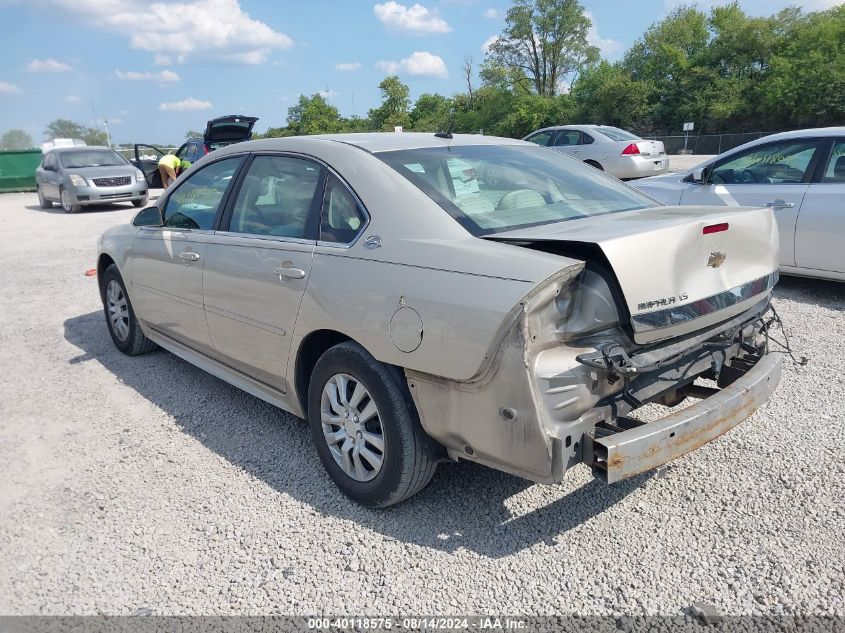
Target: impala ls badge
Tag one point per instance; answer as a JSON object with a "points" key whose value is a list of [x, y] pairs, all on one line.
{"points": [[716, 259]]}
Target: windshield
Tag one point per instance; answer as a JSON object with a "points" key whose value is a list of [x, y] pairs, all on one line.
{"points": [[496, 188], [615, 134], [91, 158]]}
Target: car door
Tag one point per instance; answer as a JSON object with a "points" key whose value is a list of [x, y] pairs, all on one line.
{"points": [[146, 159], [568, 142], [167, 261], [820, 231], [258, 265], [775, 174]]}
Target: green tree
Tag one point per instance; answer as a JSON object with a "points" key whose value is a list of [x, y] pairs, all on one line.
{"points": [[16, 139], [394, 106], [313, 115], [63, 128], [193, 134], [547, 41], [431, 112], [607, 94]]}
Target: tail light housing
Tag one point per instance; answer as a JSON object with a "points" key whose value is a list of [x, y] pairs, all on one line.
{"points": [[205, 148], [631, 150]]}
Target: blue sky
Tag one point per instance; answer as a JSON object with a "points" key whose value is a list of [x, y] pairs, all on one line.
{"points": [[158, 69]]}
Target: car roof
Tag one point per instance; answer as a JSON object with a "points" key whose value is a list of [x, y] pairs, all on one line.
{"points": [[808, 132], [386, 141]]}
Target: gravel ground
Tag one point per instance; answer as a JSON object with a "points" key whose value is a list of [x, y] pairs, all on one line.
{"points": [[143, 485]]}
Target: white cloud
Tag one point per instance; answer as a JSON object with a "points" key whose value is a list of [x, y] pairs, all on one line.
{"points": [[486, 44], [186, 105], [211, 29], [48, 65], [415, 19], [347, 66], [419, 63], [492, 14], [163, 77], [72, 99], [608, 46], [9, 89]]}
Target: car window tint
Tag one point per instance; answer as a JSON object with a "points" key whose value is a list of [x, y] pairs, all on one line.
{"points": [[567, 137], [276, 197], [541, 138], [586, 139], [784, 162], [342, 218], [835, 171], [194, 204]]}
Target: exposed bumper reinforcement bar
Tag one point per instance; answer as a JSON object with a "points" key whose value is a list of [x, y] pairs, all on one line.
{"points": [[626, 447]]}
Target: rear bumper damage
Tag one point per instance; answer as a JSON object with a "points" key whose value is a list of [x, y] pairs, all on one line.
{"points": [[539, 406], [628, 447]]}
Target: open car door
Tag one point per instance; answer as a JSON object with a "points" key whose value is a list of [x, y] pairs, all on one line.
{"points": [[225, 130], [146, 159]]}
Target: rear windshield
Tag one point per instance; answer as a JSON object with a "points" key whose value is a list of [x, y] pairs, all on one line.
{"points": [[615, 134], [91, 158], [496, 188]]}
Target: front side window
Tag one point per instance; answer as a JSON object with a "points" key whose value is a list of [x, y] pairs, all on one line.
{"points": [[540, 138], [835, 170], [276, 197], [342, 218], [775, 163], [568, 137], [196, 202], [496, 188], [78, 159]]}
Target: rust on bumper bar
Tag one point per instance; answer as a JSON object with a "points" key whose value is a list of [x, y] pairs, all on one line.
{"points": [[639, 449]]}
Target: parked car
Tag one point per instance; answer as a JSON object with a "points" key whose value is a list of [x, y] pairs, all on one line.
{"points": [[421, 298], [77, 177], [219, 132], [800, 175], [610, 149]]}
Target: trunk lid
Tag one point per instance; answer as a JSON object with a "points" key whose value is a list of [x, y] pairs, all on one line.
{"points": [[651, 148], [677, 273], [232, 128]]}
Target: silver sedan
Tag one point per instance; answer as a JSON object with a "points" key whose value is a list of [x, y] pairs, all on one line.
{"points": [[610, 149], [423, 298]]}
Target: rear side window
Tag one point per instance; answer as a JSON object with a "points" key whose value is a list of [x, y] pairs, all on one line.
{"points": [[195, 203], [835, 171], [342, 218], [276, 197]]}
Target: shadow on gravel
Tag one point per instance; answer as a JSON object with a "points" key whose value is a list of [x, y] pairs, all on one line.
{"points": [[812, 291], [465, 505]]}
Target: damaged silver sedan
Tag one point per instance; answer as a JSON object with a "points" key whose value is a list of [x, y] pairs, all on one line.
{"points": [[420, 298]]}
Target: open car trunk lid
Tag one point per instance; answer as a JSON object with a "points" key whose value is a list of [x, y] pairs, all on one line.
{"points": [[232, 128], [680, 269]]}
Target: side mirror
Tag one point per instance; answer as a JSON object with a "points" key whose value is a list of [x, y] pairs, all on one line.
{"points": [[701, 175], [151, 216]]}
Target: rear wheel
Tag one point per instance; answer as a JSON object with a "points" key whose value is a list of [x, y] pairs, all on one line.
{"points": [[120, 317], [593, 163], [365, 428], [45, 204], [67, 203]]}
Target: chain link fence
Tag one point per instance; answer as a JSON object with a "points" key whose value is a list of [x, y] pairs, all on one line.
{"points": [[708, 143]]}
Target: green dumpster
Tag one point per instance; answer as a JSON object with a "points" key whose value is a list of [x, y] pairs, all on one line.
{"points": [[17, 169]]}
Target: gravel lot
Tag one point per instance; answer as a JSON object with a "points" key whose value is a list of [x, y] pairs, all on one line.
{"points": [[136, 485]]}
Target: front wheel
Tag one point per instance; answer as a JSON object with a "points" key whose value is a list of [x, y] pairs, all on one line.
{"points": [[67, 203], [142, 202], [42, 201], [120, 317], [365, 428]]}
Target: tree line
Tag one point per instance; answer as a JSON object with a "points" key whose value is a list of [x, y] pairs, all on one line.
{"points": [[725, 70]]}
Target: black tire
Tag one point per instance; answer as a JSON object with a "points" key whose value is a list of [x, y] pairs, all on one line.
{"points": [[140, 203], [66, 204], [593, 163], [42, 201], [409, 457], [134, 342]]}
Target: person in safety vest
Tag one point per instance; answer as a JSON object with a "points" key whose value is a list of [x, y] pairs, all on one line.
{"points": [[169, 167]]}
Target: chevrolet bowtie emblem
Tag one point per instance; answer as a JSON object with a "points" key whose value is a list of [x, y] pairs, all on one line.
{"points": [[716, 259]]}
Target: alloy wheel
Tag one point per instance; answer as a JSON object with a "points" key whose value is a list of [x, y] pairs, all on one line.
{"points": [[66, 200], [118, 310], [352, 427]]}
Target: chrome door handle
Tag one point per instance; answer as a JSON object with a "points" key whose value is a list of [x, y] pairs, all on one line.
{"points": [[189, 256], [780, 204], [288, 272]]}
